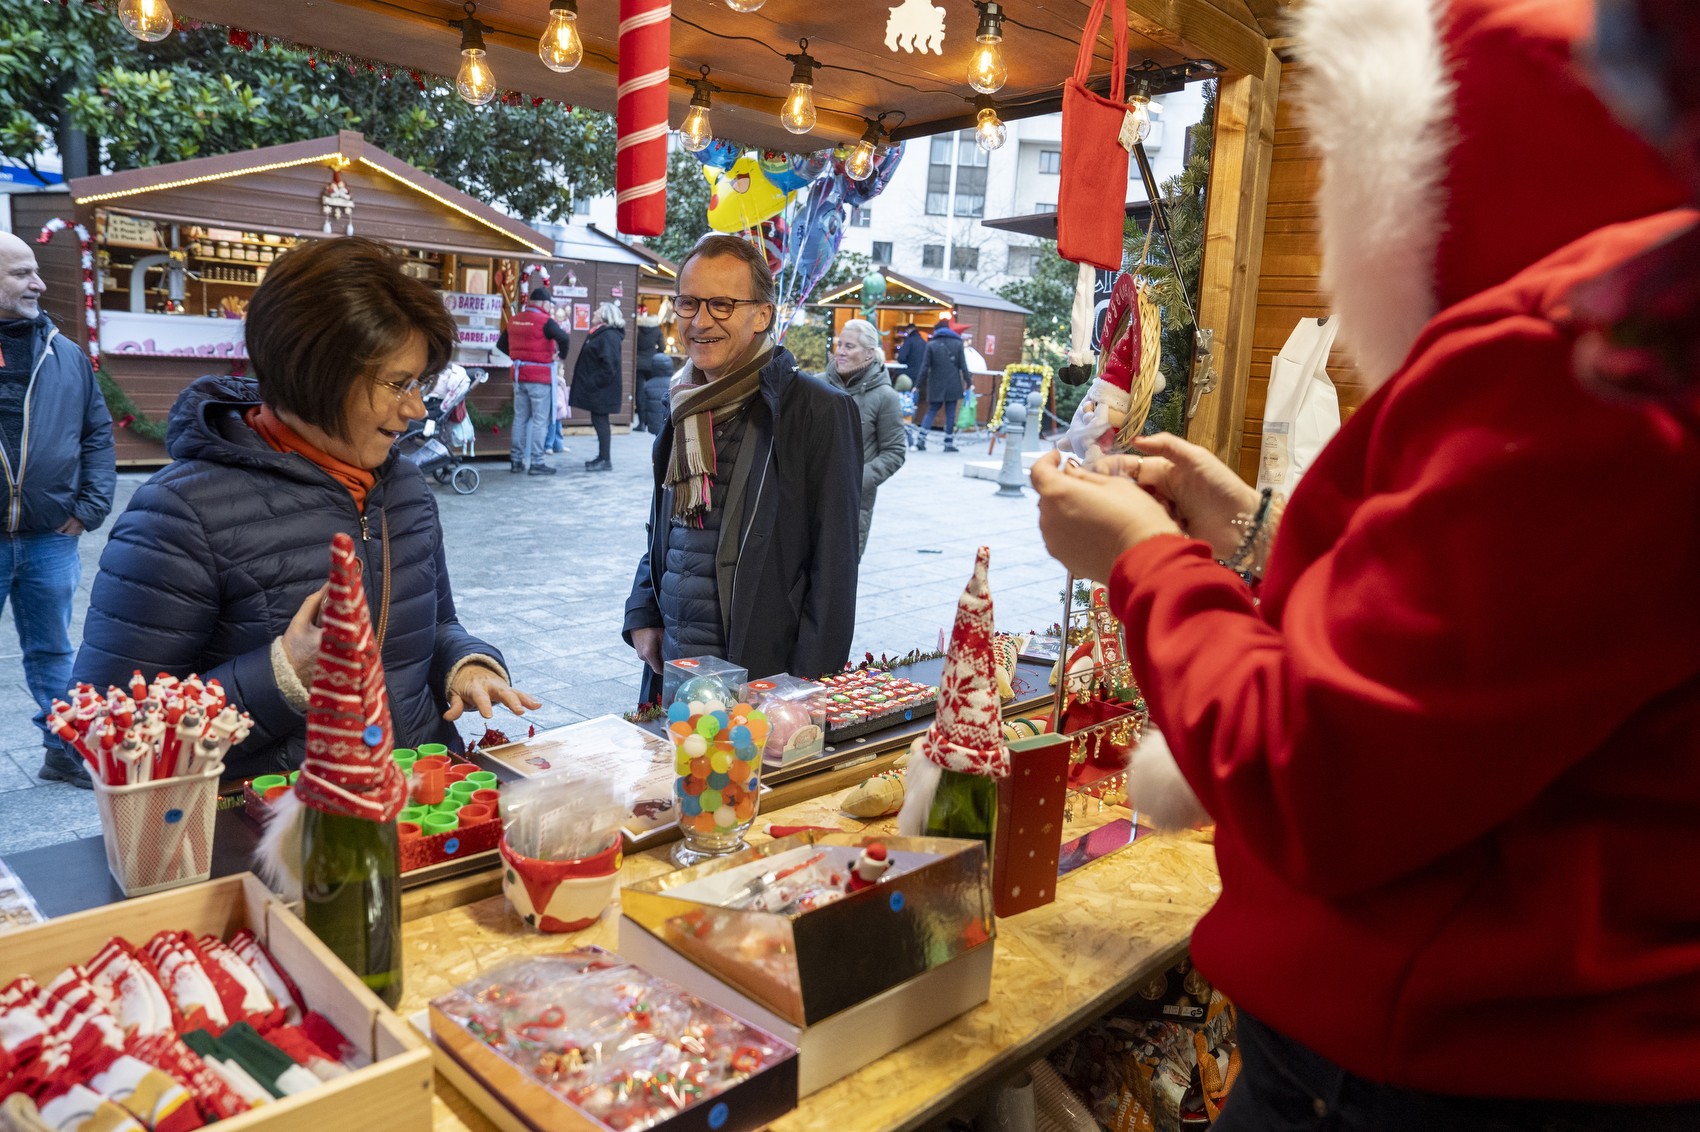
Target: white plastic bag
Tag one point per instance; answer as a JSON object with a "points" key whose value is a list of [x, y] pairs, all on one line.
{"points": [[1302, 411]]}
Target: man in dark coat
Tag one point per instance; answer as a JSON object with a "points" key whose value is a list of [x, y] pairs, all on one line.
{"points": [[56, 449], [941, 383], [597, 388], [912, 351], [758, 485]]}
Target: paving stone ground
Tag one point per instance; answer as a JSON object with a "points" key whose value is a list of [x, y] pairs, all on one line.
{"points": [[541, 569]]}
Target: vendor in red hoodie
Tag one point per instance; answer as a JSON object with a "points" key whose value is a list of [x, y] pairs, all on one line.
{"points": [[1451, 742]]}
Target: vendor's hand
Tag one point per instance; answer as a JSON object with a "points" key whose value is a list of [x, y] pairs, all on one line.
{"points": [[301, 639], [73, 527], [647, 642], [482, 688], [1204, 494], [1088, 519]]}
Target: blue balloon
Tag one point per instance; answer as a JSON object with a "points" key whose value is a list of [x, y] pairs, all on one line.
{"points": [[857, 193], [720, 153], [809, 166]]}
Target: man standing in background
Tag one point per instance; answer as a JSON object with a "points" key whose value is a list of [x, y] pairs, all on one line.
{"points": [[533, 339], [57, 455]]}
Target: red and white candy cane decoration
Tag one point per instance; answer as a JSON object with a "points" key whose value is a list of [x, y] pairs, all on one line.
{"points": [[640, 117], [525, 280], [90, 309]]}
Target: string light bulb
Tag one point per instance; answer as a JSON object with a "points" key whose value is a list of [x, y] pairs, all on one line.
{"points": [[560, 47], [148, 20], [745, 5], [989, 131], [694, 133], [986, 69], [474, 80], [859, 166], [798, 113], [1143, 111]]}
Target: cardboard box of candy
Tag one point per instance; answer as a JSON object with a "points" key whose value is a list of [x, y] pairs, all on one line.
{"points": [[866, 700], [392, 1088], [793, 936], [587, 1041]]}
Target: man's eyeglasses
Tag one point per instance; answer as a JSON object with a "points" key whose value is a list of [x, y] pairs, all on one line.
{"points": [[720, 308], [405, 389]]}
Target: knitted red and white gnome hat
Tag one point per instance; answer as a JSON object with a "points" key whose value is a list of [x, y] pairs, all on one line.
{"points": [[967, 733], [349, 769]]}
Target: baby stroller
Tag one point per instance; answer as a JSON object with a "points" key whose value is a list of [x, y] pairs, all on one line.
{"points": [[423, 442]]}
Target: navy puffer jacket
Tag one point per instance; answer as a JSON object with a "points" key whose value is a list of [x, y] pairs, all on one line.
{"points": [[215, 554]]}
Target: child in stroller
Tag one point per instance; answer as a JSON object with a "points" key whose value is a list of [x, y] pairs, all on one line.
{"points": [[425, 441]]}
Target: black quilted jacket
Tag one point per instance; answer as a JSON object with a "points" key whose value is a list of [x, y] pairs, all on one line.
{"points": [[215, 554]]}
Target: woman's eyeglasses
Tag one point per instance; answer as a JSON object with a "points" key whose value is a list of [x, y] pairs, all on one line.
{"points": [[720, 308], [404, 389]]}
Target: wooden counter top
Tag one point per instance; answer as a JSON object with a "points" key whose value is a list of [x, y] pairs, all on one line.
{"points": [[1115, 923]]}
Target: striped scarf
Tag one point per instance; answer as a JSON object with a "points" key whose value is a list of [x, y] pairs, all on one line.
{"points": [[690, 469]]}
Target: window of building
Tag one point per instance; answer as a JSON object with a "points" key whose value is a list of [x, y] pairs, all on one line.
{"points": [[932, 256], [581, 206], [1023, 261], [1050, 161], [1044, 207], [965, 259], [938, 177], [861, 217], [970, 175], [882, 252]]}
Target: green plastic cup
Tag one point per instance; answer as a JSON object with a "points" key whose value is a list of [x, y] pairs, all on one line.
{"points": [[485, 779], [462, 791], [267, 782], [293, 775], [449, 805], [414, 814], [439, 823], [426, 750]]}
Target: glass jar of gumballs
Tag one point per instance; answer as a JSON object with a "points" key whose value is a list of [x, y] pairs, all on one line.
{"points": [[717, 748]]}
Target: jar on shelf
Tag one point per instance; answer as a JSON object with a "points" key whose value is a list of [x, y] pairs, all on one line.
{"points": [[267, 254], [223, 249]]}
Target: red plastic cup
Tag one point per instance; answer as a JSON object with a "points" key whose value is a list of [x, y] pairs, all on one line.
{"points": [[458, 771], [408, 830], [428, 784], [276, 792], [491, 798], [474, 812], [426, 762]]}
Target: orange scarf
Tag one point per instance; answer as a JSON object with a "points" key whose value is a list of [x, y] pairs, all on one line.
{"points": [[280, 436]]}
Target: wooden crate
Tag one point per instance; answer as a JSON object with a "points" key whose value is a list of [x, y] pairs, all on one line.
{"points": [[393, 1093]]}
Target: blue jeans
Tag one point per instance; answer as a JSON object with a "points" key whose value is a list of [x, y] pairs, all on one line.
{"points": [[1284, 1086], [949, 408], [41, 575], [534, 408], [552, 439]]}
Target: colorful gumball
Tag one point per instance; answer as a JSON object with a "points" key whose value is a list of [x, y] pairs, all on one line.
{"points": [[710, 799], [696, 745], [720, 760], [725, 817]]}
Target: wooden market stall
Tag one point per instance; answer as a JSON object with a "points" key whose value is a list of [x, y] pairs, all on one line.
{"points": [[179, 248], [989, 322]]}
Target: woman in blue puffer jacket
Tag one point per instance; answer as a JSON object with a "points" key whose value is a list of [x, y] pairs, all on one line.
{"points": [[219, 562]]}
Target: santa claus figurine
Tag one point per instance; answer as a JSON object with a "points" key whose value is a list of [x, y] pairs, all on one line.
{"points": [[869, 868]]}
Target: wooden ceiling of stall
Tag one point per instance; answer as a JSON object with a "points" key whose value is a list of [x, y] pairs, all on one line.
{"points": [[743, 51]]}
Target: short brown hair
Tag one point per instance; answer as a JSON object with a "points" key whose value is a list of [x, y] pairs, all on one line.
{"points": [[719, 244], [327, 315]]}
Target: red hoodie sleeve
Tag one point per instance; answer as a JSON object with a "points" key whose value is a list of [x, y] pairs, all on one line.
{"points": [[1483, 582]]}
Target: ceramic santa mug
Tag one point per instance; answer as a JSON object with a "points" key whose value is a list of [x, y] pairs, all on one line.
{"points": [[560, 896]]}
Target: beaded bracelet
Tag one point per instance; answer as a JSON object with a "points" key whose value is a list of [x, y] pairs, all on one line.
{"points": [[1258, 534]]}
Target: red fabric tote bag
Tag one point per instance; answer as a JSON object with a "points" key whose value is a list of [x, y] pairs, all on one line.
{"points": [[1090, 203]]}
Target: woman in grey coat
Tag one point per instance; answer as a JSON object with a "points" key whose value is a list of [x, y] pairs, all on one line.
{"points": [[858, 365]]}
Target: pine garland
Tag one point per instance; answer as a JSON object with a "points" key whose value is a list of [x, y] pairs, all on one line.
{"points": [[124, 412], [489, 422]]}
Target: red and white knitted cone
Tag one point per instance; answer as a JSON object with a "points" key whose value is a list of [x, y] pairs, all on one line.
{"points": [[349, 769], [640, 117], [967, 733]]}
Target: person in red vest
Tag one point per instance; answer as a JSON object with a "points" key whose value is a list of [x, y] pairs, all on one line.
{"points": [[533, 340]]}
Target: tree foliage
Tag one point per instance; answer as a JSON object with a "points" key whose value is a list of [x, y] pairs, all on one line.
{"points": [[195, 94]]}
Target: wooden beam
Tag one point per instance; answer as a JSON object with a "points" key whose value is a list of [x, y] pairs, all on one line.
{"points": [[1201, 31], [1273, 16], [1233, 249]]}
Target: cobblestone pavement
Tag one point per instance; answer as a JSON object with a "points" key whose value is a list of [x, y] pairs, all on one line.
{"points": [[541, 569]]}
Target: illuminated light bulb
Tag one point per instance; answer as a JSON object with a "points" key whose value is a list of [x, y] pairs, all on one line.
{"points": [[474, 80], [694, 133], [798, 113], [148, 20], [560, 47], [986, 69], [745, 5], [859, 166], [989, 132], [1142, 109]]}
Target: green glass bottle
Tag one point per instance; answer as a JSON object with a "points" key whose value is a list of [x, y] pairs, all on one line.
{"points": [[964, 805], [351, 888]]}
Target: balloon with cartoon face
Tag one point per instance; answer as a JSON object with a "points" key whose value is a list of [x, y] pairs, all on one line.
{"points": [[742, 197]]}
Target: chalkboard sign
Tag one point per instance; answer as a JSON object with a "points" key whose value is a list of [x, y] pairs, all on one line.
{"points": [[1019, 381]]}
